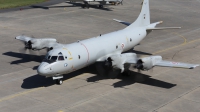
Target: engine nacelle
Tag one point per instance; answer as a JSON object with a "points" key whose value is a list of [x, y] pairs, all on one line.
{"points": [[38, 44], [148, 62]]}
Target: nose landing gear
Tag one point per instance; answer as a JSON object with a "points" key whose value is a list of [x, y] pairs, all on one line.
{"points": [[58, 79]]}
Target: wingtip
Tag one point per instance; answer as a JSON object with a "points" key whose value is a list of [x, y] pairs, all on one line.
{"points": [[16, 37], [117, 20], [194, 66], [161, 22]]}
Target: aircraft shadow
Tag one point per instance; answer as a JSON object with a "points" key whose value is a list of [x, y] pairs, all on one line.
{"points": [[40, 81], [24, 58], [132, 78], [36, 81], [72, 5]]}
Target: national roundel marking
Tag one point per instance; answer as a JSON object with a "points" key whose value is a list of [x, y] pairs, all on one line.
{"points": [[122, 46], [175, 63]]}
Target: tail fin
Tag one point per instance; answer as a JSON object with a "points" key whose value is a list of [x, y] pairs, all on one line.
{"points": [[144, 17]]}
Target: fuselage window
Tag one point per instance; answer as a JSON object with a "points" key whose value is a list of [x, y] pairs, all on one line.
{"points": [[54, 58], [116, 47], [65, 57], [79, 56], [130, 39], [60, 58]]}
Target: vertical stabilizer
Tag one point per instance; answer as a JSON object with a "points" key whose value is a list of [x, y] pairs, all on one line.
{"points": [[144, 17]]}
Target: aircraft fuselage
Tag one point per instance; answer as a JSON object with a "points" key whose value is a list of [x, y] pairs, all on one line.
{"points": [[83, 53]]}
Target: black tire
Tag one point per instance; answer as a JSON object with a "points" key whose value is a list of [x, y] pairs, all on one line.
{"points": [[83, 6], [59, 81], [100, 6]]}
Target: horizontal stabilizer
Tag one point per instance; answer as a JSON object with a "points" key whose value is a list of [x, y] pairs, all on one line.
{"points": [[176, 64], [163, 28], [123, 22]]}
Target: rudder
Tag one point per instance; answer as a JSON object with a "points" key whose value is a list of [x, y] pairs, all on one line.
{"points": [[144, 17]]}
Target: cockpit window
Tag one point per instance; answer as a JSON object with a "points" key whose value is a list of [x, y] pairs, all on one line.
{"points": [[51, 59], [54, 58], [60, 58]]}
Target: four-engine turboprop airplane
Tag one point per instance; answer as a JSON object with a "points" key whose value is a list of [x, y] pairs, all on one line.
{"points": [[105, 50]]}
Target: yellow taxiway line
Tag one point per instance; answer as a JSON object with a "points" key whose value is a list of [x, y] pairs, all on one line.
{"points": [[173, 47], [19, 94]]}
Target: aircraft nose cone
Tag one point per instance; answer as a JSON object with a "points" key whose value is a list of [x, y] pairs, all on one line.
{"points": [[43, 69]]}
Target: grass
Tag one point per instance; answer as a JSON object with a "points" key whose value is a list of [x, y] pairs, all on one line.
{"points": [[17, 3]]}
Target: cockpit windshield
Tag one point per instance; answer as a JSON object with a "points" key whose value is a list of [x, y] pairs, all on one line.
{"points": [[54, 58], [51, 59], [60, 56]]}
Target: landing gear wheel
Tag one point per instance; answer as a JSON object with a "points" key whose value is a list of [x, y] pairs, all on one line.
{"points": [[83, 6], [87, 6], [59, 81], [100, 6]]}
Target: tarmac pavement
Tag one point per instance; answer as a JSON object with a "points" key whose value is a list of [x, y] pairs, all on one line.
{"points": [[159, 90]]}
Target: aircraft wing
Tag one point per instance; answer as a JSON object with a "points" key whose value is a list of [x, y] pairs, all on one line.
{"points": [[176, 64], [38, 43], [23, 38]]}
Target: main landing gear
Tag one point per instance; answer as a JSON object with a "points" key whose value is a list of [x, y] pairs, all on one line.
{"points": [[100, 6], [58, 79], [86, 4]]}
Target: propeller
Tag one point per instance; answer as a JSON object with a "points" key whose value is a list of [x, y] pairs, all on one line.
{"points": [[139, 65], [108, 63], [28, 47]]}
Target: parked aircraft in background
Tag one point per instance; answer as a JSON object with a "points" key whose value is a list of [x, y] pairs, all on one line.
{"points": [[107, 50], [100, 3]]}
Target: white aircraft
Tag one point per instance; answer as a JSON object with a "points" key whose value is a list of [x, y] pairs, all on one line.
{"points": [[105, 50], [100, 2]]}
